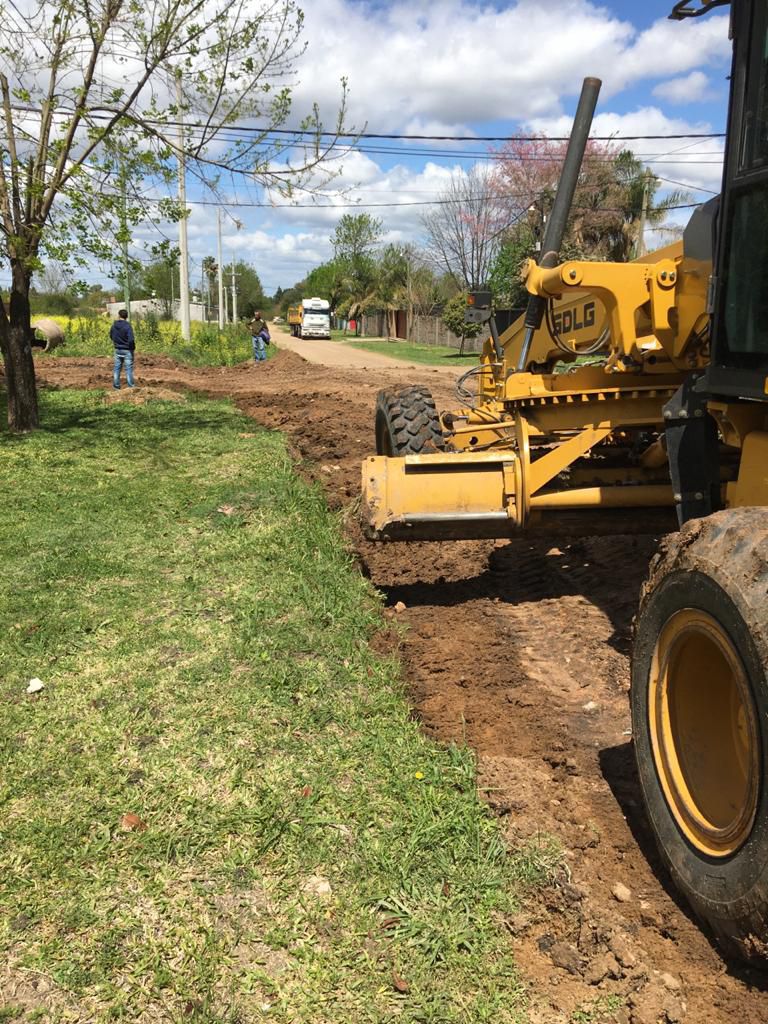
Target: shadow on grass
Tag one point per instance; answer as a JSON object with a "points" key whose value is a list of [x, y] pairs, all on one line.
{"points": [[64, 414]]}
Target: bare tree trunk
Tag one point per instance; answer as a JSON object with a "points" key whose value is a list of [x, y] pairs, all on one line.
{"points": [[16, 347]]}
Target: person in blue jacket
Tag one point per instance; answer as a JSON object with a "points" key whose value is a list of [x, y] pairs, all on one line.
{"points": [[122, 337]]}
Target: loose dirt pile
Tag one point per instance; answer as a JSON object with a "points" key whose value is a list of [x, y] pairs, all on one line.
{"points": [[521, 650]]}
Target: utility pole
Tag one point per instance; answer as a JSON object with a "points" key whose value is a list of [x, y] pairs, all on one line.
{"points": [[124, 240], [234, 292], [220, 271], [186, 332], [643, 215]]}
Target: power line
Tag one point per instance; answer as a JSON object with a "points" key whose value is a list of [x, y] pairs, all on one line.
{"points": [[294, 132], [251, 129], [233, 133], [500, 197], [687, 185], [424, 202], [230, 135], [690, 159]]}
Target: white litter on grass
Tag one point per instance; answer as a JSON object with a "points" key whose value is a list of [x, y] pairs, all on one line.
{"points": [[318, 885], [35, 685]]}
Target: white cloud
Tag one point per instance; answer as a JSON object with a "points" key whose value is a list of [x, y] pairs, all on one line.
{"points": [[693, 88], [453, 67], [672, 47], [306, 242], [449, 63]]}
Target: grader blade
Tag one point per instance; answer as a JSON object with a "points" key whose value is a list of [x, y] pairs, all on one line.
{"points": [[476, 495], [439, 496]]}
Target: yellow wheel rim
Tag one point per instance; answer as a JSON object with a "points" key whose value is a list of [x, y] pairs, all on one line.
{"points": [[704, 732]]}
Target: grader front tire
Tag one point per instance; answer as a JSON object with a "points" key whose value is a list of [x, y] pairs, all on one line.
{"points": [[699, 712], [407, 422]]}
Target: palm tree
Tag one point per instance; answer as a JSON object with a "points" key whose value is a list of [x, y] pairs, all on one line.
{"points": [[636, 184]]}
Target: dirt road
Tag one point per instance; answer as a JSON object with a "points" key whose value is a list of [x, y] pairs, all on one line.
{"points": [[331, 353], [521, 650]]}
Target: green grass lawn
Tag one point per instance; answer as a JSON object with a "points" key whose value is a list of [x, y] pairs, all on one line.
{"points": [[430, 355], [300, 852]]}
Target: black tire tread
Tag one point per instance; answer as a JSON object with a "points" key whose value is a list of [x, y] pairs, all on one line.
{"points": [[731, 548], [407, 422]]}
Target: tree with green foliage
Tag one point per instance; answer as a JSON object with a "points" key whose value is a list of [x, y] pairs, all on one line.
{"points": [[210, 278], [158, 280], [404, 280], [504, 280], [392, 280], [354, 242], [92, 299], [357, 235], [92, 94], [453, 318], [605, 216], [634, 184], [606, 210], [290, 297], [329, 281], [250, 293]]}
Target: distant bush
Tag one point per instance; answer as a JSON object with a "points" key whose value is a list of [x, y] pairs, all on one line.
{"points": [[57, 303], [148, 333], [89, 336]]}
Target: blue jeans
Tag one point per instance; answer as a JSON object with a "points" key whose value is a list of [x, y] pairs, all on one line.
{"points": [[123, 356], [259, 348]]}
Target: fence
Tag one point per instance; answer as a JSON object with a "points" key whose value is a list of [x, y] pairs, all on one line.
{"points": [[430, 330], [425, 330]]}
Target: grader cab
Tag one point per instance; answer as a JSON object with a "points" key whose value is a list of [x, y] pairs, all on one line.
{"points": [[634, 397]]}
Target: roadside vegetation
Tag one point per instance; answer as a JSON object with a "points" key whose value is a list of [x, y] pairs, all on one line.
{"points": [[209, 346], [430, 355], [218, 807]]}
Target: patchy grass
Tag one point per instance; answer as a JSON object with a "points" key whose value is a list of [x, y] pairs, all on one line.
{"points": [[602, 1010], [299, 851], [430, 355]]}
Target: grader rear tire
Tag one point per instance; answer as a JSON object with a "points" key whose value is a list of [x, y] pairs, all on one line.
{"points": [[407, 422], [699, 712]]}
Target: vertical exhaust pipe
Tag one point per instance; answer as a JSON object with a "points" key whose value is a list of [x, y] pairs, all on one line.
{"points": [[558, 218]]}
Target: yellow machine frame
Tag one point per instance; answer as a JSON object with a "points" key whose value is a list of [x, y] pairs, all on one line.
{"points": [[535, 443]]}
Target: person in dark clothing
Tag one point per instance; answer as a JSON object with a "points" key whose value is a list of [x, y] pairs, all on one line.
{"points": [[122, 337], [259, 336]]}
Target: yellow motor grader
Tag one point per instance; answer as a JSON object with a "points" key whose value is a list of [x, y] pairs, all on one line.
{"points": [[634, 397]]}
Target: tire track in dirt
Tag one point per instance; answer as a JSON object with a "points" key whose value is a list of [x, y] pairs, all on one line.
{"points": [[521, 649]]}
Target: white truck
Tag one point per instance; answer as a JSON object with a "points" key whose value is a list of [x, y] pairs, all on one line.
{"points": [[315, 318]]}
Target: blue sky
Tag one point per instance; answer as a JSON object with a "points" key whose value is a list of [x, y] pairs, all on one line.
{"points": [[458, 67]]}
